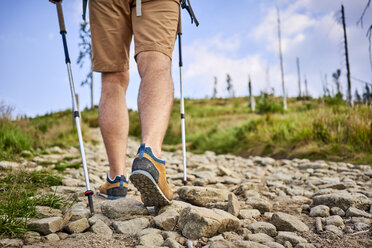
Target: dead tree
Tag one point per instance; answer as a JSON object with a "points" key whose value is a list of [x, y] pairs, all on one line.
{"points": [[281, 62], [252, 103], [86, 52], [215, 88], [349, 96]]}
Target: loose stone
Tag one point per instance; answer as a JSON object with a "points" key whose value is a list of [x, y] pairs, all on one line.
{"points": [[287, 222], [131, 227], [263, 227], [77, 226], [319, 211], [123, 208], [47, 225], [197, 222]]}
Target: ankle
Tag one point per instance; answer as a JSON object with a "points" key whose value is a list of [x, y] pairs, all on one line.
{"points": [[155, 149], [112, 174]]}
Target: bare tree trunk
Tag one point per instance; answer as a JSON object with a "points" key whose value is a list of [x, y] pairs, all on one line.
{"points": [[281, 63], [251, 98], [299, 77], [349, 96]]}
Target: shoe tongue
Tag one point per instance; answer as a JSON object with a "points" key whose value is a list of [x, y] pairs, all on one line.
{"points": [[141, 150]]}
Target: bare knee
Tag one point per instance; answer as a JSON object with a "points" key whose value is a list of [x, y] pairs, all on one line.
{"points": [[152, 63], [115, 80]]}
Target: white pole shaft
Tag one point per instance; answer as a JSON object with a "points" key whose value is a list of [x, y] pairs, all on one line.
{"points": [[183, 127], [77, 120]]}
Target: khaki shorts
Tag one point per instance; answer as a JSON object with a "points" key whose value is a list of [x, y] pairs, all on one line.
{"points": [[113, 22]]}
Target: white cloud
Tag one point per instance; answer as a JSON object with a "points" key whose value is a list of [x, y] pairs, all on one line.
{"points": [[309, 31]]}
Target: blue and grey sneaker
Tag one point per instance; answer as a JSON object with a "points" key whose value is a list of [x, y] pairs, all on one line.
{"points": [[114, 189]]}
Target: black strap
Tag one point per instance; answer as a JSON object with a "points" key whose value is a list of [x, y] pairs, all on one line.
{"points": [[85, 3], [188, 7]]}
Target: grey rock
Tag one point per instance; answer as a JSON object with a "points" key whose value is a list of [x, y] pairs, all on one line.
{"points": [[334, 220], [71, 182], [197, 222], [318, 225], [11, 242], [176, 205], [62, 235], [274, 245], [167, 220], [333, 229], [151, 240], [92, 220], [31, 237], [249, 213], [263, 227], [77, 226], [100, 228], [233, 205], [222, 244], [288, 244], [149, 230], [79, 213], [260, 237], [304, 245], [342, 200], [314, 166], [287, 222], [337, 211], [45, 212], [261, 204], [47, 225], [201, 196], [361, 201], [248, 244], [291, 237], [123, 208], [348, 229], [354, 212], [319, 211], [51, 237], [223, 171], [360, 219], [171, 243], [218, 205], [360, 226], [131, 227]]}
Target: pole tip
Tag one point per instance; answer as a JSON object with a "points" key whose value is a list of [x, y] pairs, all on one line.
{"points": [[184, 182]]}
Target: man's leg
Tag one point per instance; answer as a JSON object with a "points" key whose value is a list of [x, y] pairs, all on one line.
{"points": [[114, 120], [155, 101], [155, 98]]}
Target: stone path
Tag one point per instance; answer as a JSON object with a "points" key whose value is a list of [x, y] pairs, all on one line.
{"points": [[231, 202]]}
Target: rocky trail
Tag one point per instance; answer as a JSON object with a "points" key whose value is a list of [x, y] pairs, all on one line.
{"points": [[231, 201]]}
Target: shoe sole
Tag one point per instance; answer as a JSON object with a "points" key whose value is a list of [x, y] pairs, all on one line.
{"points": [[110, 197], [152, 194]]}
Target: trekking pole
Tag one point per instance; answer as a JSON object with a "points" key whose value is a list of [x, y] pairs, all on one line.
{"points": [[63, 32], [187, 6], [179, 33]]}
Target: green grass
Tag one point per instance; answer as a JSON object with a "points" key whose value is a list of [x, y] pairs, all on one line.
{"points": [[20, 194], [308, 129], [37, 134]]}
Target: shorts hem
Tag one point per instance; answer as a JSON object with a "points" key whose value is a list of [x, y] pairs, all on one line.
{"points": [[167, 52], [110, 68]]}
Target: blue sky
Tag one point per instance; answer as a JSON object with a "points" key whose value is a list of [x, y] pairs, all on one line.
{"points": [[235, 37]]}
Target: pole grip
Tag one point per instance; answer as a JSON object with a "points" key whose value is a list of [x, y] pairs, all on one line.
{"points": [[179, 27], [62, 28]]}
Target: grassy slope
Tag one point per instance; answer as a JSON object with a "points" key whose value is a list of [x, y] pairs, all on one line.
{"points": [[308, 129]]}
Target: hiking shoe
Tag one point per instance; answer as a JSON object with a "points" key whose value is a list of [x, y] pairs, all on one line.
{"points": [[148, 176], [114, 189]]}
